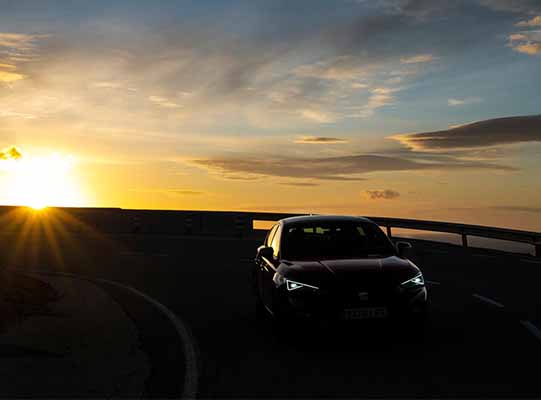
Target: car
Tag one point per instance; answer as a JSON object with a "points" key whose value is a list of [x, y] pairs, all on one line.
{"points": [[336, 268]]}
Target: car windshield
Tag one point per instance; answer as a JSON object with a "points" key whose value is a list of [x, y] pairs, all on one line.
{"points": [[335, 239]]}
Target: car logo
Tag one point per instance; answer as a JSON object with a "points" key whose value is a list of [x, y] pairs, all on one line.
{"points": [[363, 296]]}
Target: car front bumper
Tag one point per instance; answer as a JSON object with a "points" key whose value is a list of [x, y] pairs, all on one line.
{"points": [[335, 305]]}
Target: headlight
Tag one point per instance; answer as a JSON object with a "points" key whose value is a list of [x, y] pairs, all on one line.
{"points": [[291, 285], [416, 281]]}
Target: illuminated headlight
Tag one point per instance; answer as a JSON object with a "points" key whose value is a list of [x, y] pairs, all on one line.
{"points": [[416, 281], [291, 285]]}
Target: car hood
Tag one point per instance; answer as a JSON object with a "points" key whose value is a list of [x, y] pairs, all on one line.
{"points": [[358, 272]]}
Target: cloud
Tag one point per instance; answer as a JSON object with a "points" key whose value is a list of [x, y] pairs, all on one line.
{"points": [[386, 194], [419, 58], [8, 113], [9, 75], [163, 102], [517, 36], [343, 168], [518, 208], [19, 41], [535, 21], [10, 153], [421, 8], [320, 140], [515, 6], [283, 65], [6, 76], [299, 184], [287, 69], [342, 68], [527, 42], [528, 48], [462, 102], [16, 47], [19, 46], [321, 117], [379, 97], [170, 191], [359, 85], [320, 91], [113, 85], [395, 80], [184, 192], [490, 132]]}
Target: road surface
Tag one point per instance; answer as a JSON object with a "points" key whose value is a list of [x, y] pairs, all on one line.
{"points": [[483, 337]]}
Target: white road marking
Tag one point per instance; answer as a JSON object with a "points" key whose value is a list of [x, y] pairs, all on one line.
{"points": [[489, 301], [433, 283], [534, 330], [187, 340]]}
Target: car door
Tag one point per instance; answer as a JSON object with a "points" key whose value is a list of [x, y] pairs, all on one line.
{"points": [[261, 264], [270, 267]]}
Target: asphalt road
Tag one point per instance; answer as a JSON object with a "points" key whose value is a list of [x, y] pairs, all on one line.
{"points": [[482, 339]]}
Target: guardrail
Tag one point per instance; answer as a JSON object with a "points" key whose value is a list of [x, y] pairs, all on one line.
{"points": [[230, 223], [464, 230], [533, 238]]}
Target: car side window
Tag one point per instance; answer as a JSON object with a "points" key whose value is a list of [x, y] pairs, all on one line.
{"points": [[275, 244], [268, 239]]}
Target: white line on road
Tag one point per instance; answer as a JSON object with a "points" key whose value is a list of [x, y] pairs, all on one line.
{"points": [[433, 283], [534, 330], [489, 301], [187, 340]]}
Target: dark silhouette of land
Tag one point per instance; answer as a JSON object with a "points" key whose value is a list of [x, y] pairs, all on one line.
{"points": [[480, 339]]}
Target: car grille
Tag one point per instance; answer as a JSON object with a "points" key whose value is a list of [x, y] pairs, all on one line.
{"points": [[375, 293]]}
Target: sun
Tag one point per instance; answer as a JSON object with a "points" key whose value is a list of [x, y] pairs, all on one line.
{"points": [[39, 182]]}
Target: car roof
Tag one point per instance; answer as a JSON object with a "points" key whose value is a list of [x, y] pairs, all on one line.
{"points": [[323, 218]]}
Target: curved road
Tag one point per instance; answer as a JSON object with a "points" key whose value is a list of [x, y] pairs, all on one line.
{"points": [[482, 340]]}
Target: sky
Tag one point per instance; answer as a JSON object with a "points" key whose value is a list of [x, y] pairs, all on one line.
{"points": [[400, 108]]}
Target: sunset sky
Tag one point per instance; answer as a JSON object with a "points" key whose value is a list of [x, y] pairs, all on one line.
{"points": [[419, 109]]}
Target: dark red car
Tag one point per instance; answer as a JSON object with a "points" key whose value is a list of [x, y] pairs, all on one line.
{"points": [[336, 267]]}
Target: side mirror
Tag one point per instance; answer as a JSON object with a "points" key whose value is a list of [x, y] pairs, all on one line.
{"points": [[402, 248], [266, 252]]}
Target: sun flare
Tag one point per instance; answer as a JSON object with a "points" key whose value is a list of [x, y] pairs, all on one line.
{"points": [[38, 182]]}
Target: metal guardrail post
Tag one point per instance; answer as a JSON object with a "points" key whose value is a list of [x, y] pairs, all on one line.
{"points": [[464, 240], [538, 249], [389, 232], [188, 224], [239, 225]]}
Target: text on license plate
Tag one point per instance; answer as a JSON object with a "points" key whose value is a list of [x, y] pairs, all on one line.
{"points": [[365, 313]]}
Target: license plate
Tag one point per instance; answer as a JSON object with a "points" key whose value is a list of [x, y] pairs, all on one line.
{"points": [[365, 313]]}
